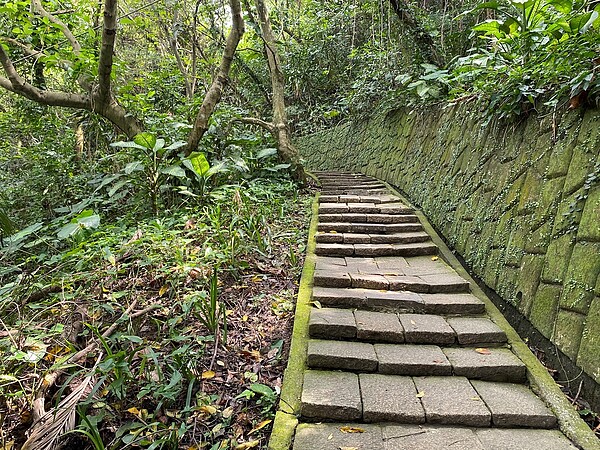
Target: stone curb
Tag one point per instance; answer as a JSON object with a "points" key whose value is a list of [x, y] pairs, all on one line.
{"points": [[570, 423], [286, 417]]}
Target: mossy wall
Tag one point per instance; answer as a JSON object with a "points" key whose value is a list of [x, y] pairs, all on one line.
{"points": [[520, 203]]}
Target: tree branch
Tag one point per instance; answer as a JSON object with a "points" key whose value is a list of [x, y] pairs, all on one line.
{"points": [[26, 48], [37, 5], [213, 95], [105, 61], [261, 123], [18, 85]]}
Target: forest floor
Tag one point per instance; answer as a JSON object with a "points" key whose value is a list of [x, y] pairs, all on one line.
{"points": [[165, 366]]}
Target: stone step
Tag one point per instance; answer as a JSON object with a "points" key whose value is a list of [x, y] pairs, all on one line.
{"points": [[399, 301], [410, 249], [440, 400], [359, 238], [427, 284], [364, 208], [335, 436], [384, 199], [495, 364], [368, 218], [372, 326], [371, 228], [364, 192]]}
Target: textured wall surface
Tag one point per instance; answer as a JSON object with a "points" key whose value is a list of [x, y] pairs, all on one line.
{"points": [[520, 203]]}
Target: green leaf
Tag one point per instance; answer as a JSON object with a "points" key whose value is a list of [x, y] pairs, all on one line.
{"points": [[199, 163], [176, 145], [266, 152], [173, 170], [563, 6], [262, 389], [133, 167], [145, 139], [127, 144]]}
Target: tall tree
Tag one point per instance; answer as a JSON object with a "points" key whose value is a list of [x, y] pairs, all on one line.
{"points": [[213, 95], [95, 88], [279, 126], [97, 95]]}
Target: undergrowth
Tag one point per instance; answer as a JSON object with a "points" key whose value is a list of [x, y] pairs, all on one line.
{"points": [[179, 321]]}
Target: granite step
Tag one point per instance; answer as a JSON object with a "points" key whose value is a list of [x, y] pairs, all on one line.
{"points": [[376, 218], [409, 249], [370, 228], [427, 284], [335, 436], [364, 208], [361, 238], [398, 301], [435, 400], [372, 326], [382, 199], [494, 364]]}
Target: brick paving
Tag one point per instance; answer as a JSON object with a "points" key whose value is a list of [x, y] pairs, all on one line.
{"points": [[401, 355]]}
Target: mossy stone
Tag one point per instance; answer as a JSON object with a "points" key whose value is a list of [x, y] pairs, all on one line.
{"points": [[545, 308], [492, 269], [589, 226], [529, 280], [537, 241], [557, 258], [587, 358], [582, 163], [568, 213], [561, 157], [530, 193], [549, 198], [507, 284], [582, 274], [568, 331]]}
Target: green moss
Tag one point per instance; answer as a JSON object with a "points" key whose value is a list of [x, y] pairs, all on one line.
{"points": [[583, 271], [291, 391], [529, 280], [557, 258], [568, 331], [589, 226], [545, 308], [587, 358]]}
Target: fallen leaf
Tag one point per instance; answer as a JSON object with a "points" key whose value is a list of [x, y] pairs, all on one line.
{"points": [[347, 429], [317, 303], [333, 232], [163, 290], [244, 318], [227, 412], [435, 258], [246, 445], [475, 399], [208, 374], [263, 424], [348, 448], [330, 437], [483, 351], [133, 410], [420, 394], [208, 409]]}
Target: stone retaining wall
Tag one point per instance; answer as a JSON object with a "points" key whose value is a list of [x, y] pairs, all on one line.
{"points": [[520, 203]]}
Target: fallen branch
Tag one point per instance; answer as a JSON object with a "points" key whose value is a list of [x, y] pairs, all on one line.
{"points": [[41, 426]]}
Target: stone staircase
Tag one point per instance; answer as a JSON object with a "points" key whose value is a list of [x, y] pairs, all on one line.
{"points": [[401, 355]]}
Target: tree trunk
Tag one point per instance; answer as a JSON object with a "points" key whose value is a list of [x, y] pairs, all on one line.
{"points": [[423, 39], [213, 95], [99, 99], [287, 151]]}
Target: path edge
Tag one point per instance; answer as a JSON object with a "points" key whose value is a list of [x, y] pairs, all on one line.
{"points": [[286, 417], [569, 421]]}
